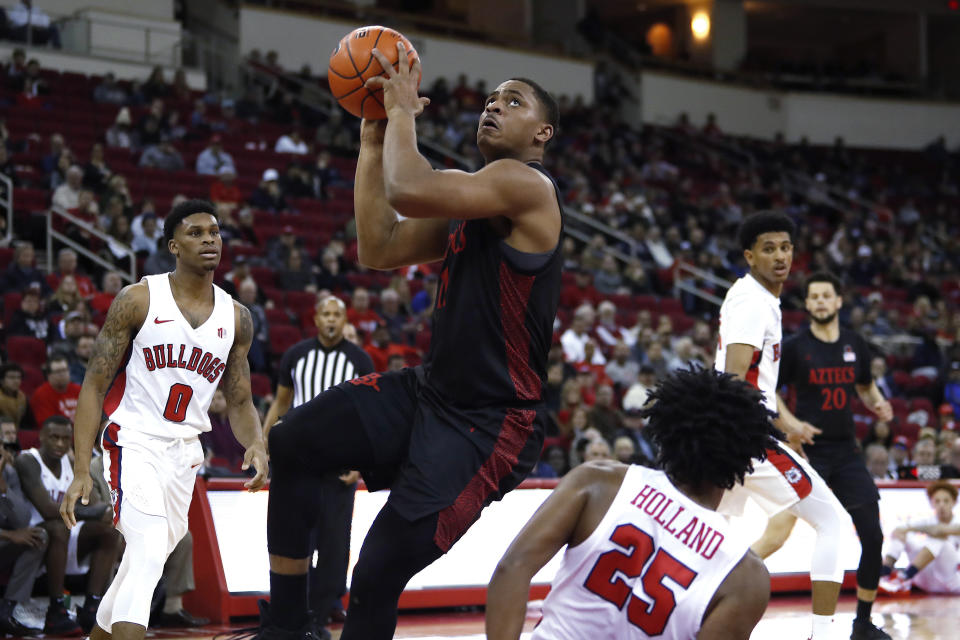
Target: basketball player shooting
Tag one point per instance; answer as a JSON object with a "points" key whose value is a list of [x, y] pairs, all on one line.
{"points": [[457, 433], [702, 582], [177, 337]]}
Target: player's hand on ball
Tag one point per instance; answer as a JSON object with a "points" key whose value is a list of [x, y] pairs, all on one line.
{"points": [[80, 489], [399, 87], [256, 456]]}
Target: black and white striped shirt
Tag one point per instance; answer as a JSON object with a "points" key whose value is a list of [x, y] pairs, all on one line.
{"points": [[309, 368]]}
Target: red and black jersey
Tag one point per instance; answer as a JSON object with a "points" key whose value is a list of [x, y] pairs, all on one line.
{"points": [[825, 375], [493, 319]]}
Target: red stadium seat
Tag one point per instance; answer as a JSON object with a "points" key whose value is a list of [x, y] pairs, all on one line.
{"points": [[301, 301], [29, 438], [260, 385], [32, 378], [11, 302], [277, 316], [26, 351], [283, 337]]}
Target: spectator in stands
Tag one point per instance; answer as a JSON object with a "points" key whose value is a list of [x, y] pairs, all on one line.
{"points": [[121, 135], [110, 287], [213, 157], [582, 291], [296, 275], [155, 86], [162, 156], [393, 316], [22, 546], [16, 68], [117, 187], [162, 261], [30, 319], [247, 294], [96, 172], [33, 87], [883, 378], [577, 335], [951, 391], [118, 244], [67, 266], [198, 117], [291, 143], [330, 276], [281, 246], [360, 315], [607, 329], [607, 278], [13, 402], [65, 298], [57, 396], [48, 163], [598, 449], [636, 396], [21, 273], [296, 182], [899, 454], [67, 195], [151, 129], [268, 195], [604, 415], [109, 91], [59, 174], [81, 357], [622, 370], [145, 242], [336, 135], [878, 461], [325, 175], [73, 326], [422, 303], [224, 191], [624, 450]]}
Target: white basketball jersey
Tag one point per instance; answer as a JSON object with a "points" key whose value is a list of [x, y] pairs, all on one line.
{"points": [[648, 570], [56, 487], [750, 314], [172, 371]]}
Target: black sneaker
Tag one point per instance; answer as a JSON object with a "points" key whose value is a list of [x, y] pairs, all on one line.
{"points": [[269, 631], [59, 622], [180, 619], [865, 630], [87, 614]]}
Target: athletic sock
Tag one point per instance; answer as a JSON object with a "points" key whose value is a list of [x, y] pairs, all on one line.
{"points": [[863, 610], [821, 627], [288, 600], [173, 604], [910, 572]]}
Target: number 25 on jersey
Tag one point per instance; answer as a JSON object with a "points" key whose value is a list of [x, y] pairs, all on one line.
{"points": [[615, 572]]}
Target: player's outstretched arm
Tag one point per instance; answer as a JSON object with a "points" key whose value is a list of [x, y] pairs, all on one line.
{"points": [[739, 602], [568, 516], [384, 241], [235, 385], [125, 317]]}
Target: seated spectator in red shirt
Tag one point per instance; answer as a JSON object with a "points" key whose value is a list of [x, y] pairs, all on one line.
{"points": [[381, 350], [360, 315], [67, 266], [582, 291], [111, 285], [224, 191], [56, 396]]}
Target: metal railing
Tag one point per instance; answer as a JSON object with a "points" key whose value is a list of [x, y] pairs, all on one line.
{"points": [[77, 36], [52, 234], [687, 274], [6, 201]]}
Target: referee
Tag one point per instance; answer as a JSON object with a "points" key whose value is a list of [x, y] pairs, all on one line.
{"points": [[307, 369], [826, 365]]}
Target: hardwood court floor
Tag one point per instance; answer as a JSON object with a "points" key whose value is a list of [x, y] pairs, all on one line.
{"points": [[916, 617]]}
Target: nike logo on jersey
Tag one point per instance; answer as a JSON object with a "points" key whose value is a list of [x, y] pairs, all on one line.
{"points": [[159, 321]]}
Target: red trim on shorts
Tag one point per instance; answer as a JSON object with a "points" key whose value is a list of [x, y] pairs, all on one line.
{"points": [[115, 452], [457, 518], [791, 471]]}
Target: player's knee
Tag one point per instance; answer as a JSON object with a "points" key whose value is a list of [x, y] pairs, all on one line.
{"points": [[57, 532]]}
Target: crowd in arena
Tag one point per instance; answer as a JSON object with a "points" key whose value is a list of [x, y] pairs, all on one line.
{"points": [[674, 195]]}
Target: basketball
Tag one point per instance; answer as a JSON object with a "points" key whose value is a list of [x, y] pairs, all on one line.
{"points": [[352, 63]]}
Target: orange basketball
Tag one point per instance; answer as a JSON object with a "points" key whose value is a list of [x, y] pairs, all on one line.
{"points": [[352, 63]]}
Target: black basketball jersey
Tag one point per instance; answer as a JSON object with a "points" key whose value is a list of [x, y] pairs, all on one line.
{"points": [[825, 375], [492, 320]]}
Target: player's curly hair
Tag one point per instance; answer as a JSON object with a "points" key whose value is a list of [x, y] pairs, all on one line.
{"points": [[753, 226], [181, 211], [708, 427]]}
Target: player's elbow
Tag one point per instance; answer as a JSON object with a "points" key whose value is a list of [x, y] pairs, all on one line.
{"points": [[373, 259]]}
